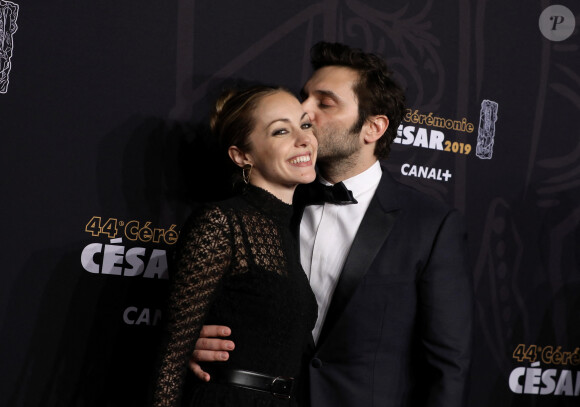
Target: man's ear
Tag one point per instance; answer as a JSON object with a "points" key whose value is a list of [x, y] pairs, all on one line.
{"points": [[239, 157], [375, 128]]}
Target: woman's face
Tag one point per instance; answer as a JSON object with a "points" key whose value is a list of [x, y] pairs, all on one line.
{"points": [[282, 146]]}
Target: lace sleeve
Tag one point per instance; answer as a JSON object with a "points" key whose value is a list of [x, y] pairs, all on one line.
{"points": [[202, 258]]}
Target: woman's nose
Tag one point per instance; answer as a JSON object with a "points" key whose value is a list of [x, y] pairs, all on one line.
{"points": [[304, 138]]}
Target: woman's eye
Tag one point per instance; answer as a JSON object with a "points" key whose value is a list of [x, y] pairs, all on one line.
{"points": [[306, 125], [279, 132]]}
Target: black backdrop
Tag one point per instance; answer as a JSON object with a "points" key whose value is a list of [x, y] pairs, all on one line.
{"points": [[103, 107]]}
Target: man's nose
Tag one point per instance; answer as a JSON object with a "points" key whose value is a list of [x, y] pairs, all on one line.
{"points": [[308, 106]]}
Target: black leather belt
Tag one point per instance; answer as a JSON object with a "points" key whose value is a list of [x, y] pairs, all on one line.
{"points": [[279, 386]]}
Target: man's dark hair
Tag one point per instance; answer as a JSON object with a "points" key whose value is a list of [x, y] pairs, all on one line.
{"points": [[376, 91]]}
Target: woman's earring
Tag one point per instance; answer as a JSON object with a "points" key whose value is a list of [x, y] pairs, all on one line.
{"points": [[246, 171]]}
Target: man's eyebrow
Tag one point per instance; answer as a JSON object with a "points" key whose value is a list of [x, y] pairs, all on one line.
{"points": [[327, 93], [320, 92]]}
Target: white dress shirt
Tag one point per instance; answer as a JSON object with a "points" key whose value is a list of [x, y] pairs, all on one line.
{"points": [[326, 235]]}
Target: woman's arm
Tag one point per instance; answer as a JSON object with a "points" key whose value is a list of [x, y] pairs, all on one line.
{"points": [[203, 256]]}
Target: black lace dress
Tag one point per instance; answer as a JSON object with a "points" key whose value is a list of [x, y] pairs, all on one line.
{"points": [[238, 265]]}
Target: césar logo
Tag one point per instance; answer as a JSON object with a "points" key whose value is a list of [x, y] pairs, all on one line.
{"points": [[557, 380], [115, 259]]}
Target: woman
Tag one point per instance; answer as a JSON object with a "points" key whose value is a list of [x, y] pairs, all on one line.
{"points": [[237, 261]]}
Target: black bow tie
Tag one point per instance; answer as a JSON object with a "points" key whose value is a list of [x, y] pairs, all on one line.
{"points": [[316, 193]]}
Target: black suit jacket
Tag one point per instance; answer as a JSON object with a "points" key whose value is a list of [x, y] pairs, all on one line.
{"points": [[398, 328]]}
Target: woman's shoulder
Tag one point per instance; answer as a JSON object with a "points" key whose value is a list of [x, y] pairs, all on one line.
{"points": [[215, 211]]}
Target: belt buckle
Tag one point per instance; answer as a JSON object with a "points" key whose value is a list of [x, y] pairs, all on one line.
{"points": [[281, 381]]}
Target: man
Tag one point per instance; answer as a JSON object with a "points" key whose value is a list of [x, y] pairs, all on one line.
{"points": [[389, 272]]}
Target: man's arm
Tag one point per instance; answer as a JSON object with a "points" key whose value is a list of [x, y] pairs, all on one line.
{"points": [[210, 348], [446, 310]]}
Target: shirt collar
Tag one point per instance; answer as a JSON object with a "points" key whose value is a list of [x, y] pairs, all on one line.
{"points": [[361, 183]]}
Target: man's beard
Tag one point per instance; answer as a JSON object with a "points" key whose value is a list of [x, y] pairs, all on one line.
{"points": [[337, 144]]}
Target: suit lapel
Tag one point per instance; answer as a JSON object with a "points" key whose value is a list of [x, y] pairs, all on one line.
{"points": [[371, 235], [298, 205]]}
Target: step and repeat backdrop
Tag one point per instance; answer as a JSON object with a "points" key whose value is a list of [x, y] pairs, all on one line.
{"points": [[105, 148]]}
